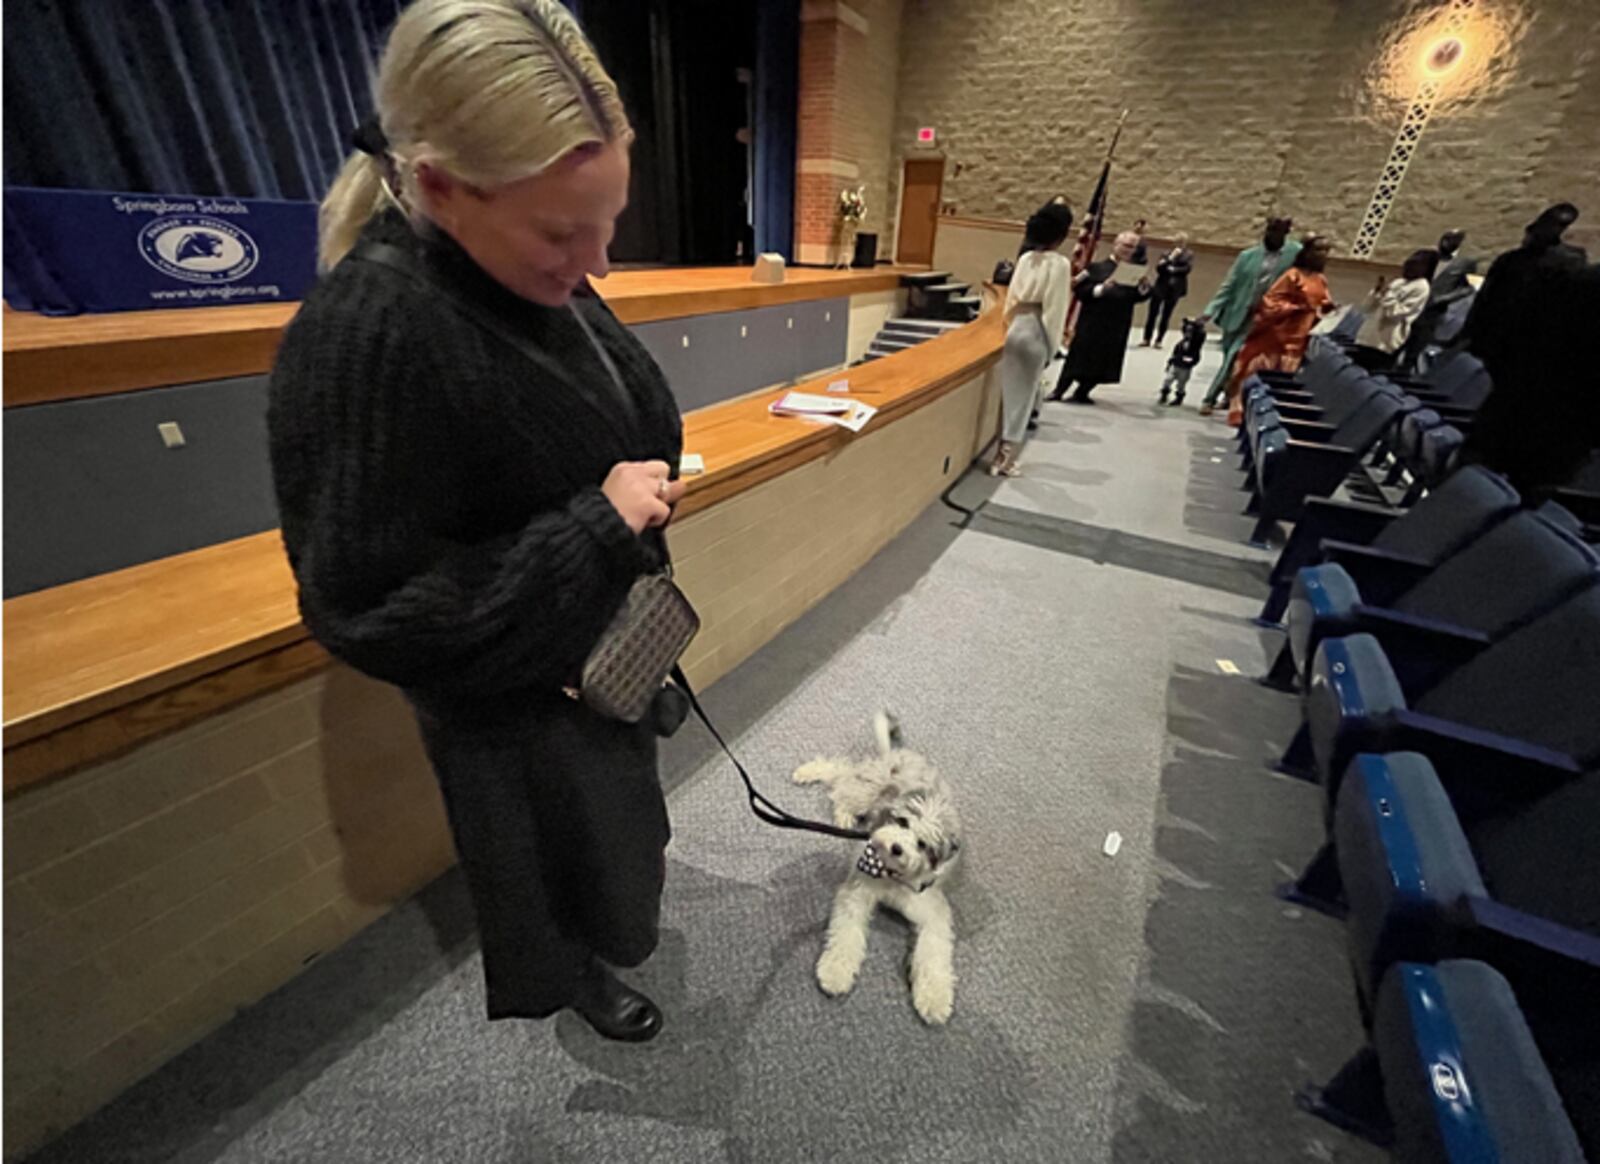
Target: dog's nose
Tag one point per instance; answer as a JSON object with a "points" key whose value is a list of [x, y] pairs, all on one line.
{"points": [[896, 850]]}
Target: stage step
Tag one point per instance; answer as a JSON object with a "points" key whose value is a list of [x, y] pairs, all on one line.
{"points": [[924, 278], [921, 328], [946, 288]]}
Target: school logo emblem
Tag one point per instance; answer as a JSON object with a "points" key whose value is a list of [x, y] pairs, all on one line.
{"points": [[198, 249]]}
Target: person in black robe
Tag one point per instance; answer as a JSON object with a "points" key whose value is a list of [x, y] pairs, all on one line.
{"points": [[473, 462], [1105, 316]]}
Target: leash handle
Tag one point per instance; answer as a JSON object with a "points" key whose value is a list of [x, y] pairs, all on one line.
{"points": [[764, 809]]}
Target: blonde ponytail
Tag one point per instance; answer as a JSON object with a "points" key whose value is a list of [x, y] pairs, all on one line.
{"points": [[491, 91], [355, 196]]}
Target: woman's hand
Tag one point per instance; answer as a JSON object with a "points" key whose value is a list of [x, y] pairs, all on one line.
{"points": [[641, 493]]}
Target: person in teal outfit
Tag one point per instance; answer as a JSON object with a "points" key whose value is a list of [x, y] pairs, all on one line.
{"points": [[1234, 305]]}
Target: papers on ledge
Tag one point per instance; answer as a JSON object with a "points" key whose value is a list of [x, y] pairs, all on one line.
{"points": [[846, 413]]}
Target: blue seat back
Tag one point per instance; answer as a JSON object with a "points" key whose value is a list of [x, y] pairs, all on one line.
{"points": [[1412, 427], [1541, 858], [1460, 509], [1441, 447], [1515, 572], [1538, 684], [1369, 421]]}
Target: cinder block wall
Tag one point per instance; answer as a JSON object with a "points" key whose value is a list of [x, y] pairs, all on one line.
{"points": [[1238, 109], [149, 899]]}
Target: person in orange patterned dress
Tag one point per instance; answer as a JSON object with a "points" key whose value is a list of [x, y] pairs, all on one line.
{"points": [[1283, 321]]}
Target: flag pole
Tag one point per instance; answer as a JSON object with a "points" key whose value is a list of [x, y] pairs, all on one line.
{"points": [[1094, 216]]}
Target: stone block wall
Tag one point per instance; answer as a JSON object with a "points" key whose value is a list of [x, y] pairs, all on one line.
{"points": [[1247, 108]]}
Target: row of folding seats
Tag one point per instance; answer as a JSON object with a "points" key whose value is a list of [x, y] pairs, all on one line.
{"points": [[1303, 433], [1301, 437], [1422, 449], [1449, 663]]}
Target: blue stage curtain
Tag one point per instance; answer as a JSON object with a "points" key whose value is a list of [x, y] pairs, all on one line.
{"points": [[777, 79], [250, 98]]}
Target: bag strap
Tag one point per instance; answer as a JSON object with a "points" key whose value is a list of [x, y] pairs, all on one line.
{"points": [[403, 263], [768, 812]]}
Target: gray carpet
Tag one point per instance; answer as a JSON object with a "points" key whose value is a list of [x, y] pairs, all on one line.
{"points": [[1159, 1005]]}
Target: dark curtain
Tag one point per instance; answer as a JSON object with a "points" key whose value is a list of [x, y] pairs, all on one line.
{"points": [[252, 98], [777, 85], [256, 99], [678, 65]]}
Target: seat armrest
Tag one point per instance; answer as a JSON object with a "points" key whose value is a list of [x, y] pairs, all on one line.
{"points": [[1381, 575], [1309, 431], [1421, 650]]}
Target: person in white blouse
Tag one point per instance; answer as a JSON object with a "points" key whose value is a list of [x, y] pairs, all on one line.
{"points": [[1393, 306], [1036, 317]]}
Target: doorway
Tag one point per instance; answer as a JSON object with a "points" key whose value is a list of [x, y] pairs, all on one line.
{"points": [[921, 187]]}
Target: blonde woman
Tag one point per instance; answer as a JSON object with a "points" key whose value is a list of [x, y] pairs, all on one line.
{"points": [[472, 460], [1036, 314]]}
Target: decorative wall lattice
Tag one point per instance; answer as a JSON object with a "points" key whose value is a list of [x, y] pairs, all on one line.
{"points": [[1435, 75]]}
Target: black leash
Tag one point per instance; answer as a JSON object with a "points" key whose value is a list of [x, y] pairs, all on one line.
{"points": [[967, 514], [763, 808]]}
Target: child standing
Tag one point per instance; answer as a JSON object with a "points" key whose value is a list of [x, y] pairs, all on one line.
{"points": [[1182, 361]]}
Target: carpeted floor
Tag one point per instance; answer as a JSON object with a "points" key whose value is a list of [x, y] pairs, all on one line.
{"points": [[1059, 657]]}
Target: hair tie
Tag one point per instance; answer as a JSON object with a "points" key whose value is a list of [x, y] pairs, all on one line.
{"points": [[369, 138]]}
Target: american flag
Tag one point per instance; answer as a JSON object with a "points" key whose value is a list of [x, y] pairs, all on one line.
{"points": [[1093, 220], [1089, 236]]}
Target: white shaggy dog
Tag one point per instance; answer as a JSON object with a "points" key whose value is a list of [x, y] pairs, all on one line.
{"points": [[900, 798]]}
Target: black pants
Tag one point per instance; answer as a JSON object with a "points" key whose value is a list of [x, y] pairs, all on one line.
{"points": [[561, 825], [1162, 304]]}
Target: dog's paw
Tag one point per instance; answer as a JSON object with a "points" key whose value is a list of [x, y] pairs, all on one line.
{"points": [[934, 999], [812, 773], [836, 973]]}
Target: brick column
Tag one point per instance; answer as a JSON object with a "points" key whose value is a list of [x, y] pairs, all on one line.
{"points": [[848, 59]]}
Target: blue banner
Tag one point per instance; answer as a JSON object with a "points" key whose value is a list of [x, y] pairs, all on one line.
{"points": [[72, 251]]}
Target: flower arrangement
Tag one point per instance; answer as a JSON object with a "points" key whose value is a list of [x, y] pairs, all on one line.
{"points": [[853, 205]]}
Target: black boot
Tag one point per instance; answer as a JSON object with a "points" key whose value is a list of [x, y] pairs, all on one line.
{"points": [[615, 1010]]}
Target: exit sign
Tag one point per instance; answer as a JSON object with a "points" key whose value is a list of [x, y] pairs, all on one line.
{"points": [[927, 136]]}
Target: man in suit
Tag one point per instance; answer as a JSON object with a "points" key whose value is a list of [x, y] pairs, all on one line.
{"points": [[1449, 287], [1105, 316], [1233, 306]]}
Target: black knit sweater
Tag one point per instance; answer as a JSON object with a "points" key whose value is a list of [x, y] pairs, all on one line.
{"points": [[440, 493]]}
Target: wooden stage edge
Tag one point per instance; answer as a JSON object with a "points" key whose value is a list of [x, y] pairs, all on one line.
{"points": [[95, 668], [49, 359]]}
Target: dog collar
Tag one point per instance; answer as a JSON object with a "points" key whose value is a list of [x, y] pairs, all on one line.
{"points": [[872, 865]]}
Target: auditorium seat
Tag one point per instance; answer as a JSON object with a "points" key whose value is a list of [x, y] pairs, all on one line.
{"points": [[1492, 867], [1457, 386], [1461, 508], [1454, 1074], [1310, 459], [1513, 573], [1523, 706]]}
